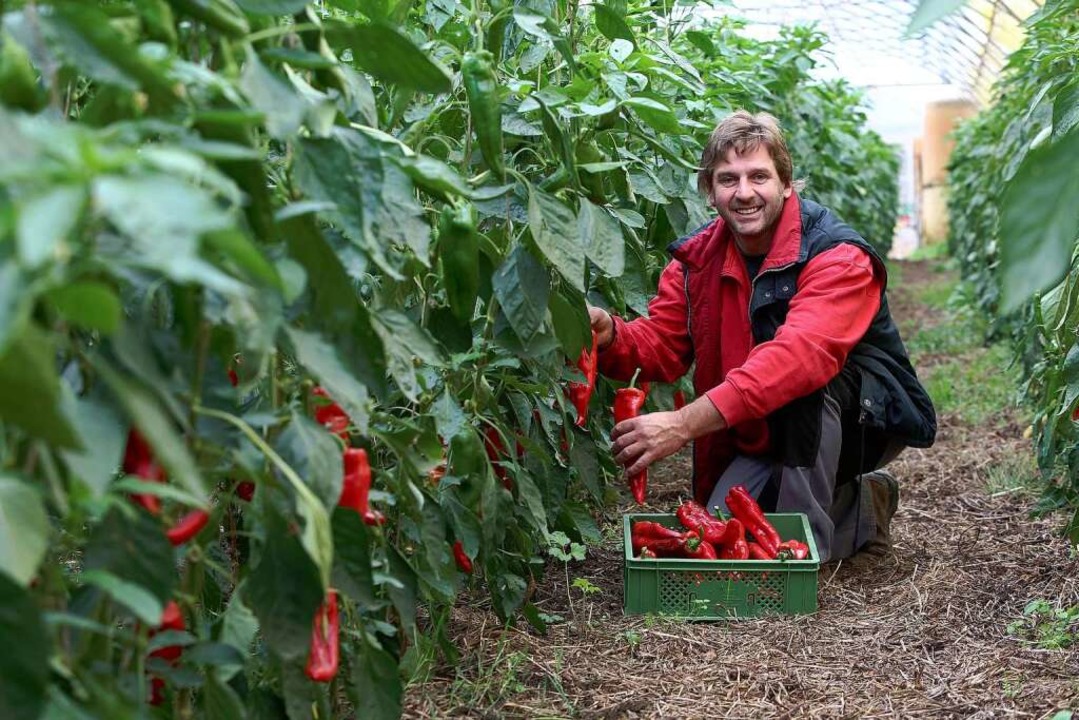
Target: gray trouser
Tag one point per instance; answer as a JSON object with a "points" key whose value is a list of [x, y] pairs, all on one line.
{"points": [[842, 519]]}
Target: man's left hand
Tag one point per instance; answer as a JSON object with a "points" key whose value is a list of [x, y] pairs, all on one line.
{"points": [[641, 441]]}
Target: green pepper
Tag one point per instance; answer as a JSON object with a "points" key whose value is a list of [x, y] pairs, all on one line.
{"points": [[481, 87], [19, 87], [459, 255]]}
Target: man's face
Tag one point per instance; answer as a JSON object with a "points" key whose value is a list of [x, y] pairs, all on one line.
{"points": [[747, 192]]}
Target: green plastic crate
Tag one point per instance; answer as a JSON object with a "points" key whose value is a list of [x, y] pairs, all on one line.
{"points": [[722, 589]]}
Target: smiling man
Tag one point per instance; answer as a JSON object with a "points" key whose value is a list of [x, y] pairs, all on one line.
{"points": [[803, 385]]}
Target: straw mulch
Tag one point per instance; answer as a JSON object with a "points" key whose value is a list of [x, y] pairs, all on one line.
{"points": [[921, 634]]}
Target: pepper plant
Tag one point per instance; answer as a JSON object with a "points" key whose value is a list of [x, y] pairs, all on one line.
{"points": [[311, 276]]}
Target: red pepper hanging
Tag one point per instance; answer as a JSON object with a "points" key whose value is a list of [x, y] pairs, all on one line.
{"points": [[246, 490], [331, 415], [464, 562], [627, 404], [356, 486], [171, 619], [187, 527], [325, 651], [139, 461], [581, 393], [496, 450]]}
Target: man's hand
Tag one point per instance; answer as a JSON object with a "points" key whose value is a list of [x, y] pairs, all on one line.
{"points": [[641, 441], [602, 325], [638, 442]]}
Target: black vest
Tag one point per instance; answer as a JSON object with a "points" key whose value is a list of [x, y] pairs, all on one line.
{"points": [[892, 399]]}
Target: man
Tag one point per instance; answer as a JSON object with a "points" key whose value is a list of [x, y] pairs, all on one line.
{"points": [[803, 383]]}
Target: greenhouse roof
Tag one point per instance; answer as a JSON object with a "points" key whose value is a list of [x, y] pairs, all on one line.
{"points": [[966, 50]]}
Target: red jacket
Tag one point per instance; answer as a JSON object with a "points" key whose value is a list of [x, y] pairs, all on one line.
{"points": [[700, 314]]}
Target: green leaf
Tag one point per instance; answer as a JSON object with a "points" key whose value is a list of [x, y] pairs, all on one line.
{"points": [[374, 200], [390, 56], [155, 425], [657, 115], [46, 220], [24, 667], [403, 592], [602, 238], [570, 322], [237, 247], [239, 627], [928, 12], [545, 28], [376, 689], [554, 228], [132, 546], [352, 560], [1066, 110], [16, 300], [1039, 221], [220, 701], [89, 305], [274, 97], [271, 7], [434, 176], [521, 285], [135, 598], [27, 371], [316, 457], [24, 529], [405, 342], [612, 24], [283, 591], [321, 360], [105, 435]]}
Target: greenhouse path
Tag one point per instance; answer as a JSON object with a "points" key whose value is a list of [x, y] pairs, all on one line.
{"points": [[937, 630]]}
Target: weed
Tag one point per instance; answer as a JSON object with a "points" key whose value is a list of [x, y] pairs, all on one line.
{"points": [[1047, 626], [562, 548]]}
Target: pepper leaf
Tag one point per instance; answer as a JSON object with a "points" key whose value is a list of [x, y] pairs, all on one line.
{"points": [[405, 342], [602, 238], [390, 55], [323, 361], [24, 529], [555, 231], [132, 547], [316, 457], [27, 371], [376, 689], [24, 667], [521, 285]]}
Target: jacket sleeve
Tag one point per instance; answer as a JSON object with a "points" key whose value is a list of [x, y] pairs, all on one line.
{"points": [[838, 295], [658, 344]]}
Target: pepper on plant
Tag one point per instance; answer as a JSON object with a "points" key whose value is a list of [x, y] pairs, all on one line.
{"points": [[324, 654]]}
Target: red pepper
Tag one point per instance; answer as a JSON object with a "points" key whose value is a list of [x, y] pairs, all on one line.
{"points": [[139, 461], [692, 515], [581, 393], [795, 549], [745, 508], [246, 490], [331, 415], [187, 527], [756, 552], [627, 404], [738, 550], [496, 450], [324, 656], [464, 562], [661, 540], [679, 399], [700, 549], [171, 619], [356, 486]]}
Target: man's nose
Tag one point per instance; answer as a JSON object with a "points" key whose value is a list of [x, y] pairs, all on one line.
{"points": [[744, 189]]}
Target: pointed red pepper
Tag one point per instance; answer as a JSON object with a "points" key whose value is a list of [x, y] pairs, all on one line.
{"points": [[745, 508], [356, 486], [139, 461], [581, 393], [324, 655], [187, 527], [171, 619], [246, 490], [496, 450], [331, 415], [464, 562], [627, 404], [793, 549]]}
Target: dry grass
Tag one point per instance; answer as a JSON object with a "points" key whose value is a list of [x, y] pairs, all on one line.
{"points": [[921, 634]]}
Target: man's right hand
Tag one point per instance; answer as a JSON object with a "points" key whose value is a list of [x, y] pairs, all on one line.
{"points": [[602, 325]]}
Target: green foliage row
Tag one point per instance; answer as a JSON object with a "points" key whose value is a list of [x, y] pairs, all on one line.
{"points": [[1014, 227], [405, 202]]}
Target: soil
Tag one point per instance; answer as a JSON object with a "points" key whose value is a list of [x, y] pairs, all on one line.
{"points": [[921, 633]]}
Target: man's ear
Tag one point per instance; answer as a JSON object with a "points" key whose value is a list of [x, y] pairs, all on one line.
{"points": [[787, 190]]}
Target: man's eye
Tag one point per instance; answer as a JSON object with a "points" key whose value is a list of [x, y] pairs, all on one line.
{"points": [[726, 181]]}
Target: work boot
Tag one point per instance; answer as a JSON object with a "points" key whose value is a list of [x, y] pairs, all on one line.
{"points": [[884, 493]]}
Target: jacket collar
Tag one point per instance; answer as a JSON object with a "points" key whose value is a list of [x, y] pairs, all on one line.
{"points": [[706, 244]]}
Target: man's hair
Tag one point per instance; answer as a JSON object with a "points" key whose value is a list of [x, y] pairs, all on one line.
{"points": [[744, 132]]}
